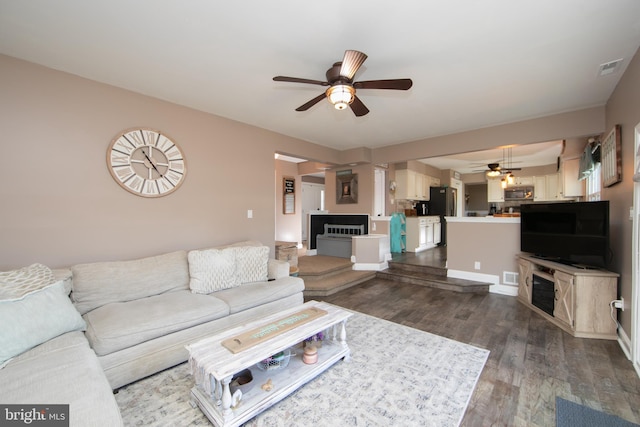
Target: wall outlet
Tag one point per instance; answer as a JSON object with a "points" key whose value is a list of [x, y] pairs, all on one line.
{"points": [[476, 265], [619, 303], [250, 213]]}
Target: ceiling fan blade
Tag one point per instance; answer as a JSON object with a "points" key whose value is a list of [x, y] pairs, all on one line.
{"points": [[314, 101], [351, 63], [299, 80], [397, 84], [358, 108]]}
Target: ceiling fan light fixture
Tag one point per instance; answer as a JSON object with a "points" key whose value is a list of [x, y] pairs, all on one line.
{"points": [[341, 95], [493, 174], [510, 178]]}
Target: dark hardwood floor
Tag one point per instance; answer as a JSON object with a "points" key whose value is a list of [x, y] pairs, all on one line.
{"points": [[531, 360]]}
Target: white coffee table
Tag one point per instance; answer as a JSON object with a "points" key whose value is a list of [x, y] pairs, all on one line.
{"points": [[213, 365]]}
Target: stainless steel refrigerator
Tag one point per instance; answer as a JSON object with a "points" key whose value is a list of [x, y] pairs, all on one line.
{"points": [[442, 202]]}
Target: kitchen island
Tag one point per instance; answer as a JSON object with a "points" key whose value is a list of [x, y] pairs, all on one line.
{"points": [[485, 249]]}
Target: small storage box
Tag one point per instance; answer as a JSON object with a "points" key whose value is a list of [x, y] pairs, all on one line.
{"points": [[287, 251]]}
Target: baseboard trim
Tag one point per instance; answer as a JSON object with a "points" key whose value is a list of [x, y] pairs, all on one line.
{"points": [[625, 342], [509, 290], [364, 266]]}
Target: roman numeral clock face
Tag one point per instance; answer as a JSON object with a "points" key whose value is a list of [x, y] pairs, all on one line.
{"points": [[146, 163]]}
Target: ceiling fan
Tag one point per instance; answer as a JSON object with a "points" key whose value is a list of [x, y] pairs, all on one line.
{"points": [[342, 89], [494, 169]]}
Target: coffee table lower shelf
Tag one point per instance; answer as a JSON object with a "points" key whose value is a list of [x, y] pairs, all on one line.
{"points": [[284, 381]]}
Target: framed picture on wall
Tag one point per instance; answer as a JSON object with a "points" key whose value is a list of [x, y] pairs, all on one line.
{"points": [[346, 187], [289, 195], [612, 158]]}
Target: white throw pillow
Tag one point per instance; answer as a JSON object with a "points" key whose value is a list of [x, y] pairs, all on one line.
{"points": [[212, 270], [35, 319], [15, 284], [252, 263]]}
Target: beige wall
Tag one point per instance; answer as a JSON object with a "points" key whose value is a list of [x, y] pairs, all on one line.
{"points": [[60, 205], [623, 109], [365, 191], [492, 245]]}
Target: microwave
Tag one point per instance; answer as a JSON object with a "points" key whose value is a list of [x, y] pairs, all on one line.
{"points": [[518, 193]]}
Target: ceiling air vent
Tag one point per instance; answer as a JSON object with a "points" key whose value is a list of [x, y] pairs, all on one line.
{"points": [[609, 67]]}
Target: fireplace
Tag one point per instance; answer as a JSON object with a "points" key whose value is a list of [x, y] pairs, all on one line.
{"points": [[543, 294]]}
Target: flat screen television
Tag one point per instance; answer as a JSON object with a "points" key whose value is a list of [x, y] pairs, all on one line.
{"points": [[572, 233]]}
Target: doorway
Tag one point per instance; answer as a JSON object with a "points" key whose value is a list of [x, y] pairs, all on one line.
{"points": [[380, 191], [312, 201]]}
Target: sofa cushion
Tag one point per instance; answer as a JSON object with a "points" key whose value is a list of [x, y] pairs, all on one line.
{"points": [[212, 270], [252, 263], [63, 370], [254, 294], [100, 283], [18, 283], [36, 318], [116, 326]]}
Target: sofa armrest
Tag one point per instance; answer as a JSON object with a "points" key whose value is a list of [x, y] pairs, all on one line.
{"points": [[278, 269]]}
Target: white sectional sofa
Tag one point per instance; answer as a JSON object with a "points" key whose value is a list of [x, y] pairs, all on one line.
{"points": [[137, 316]]}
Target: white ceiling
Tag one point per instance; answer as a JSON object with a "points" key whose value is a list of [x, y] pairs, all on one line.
{"points": [[473, 63], [523, 156]]}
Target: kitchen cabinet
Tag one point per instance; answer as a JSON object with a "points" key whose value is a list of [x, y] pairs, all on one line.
{"points": [[581, 296], [539, 188], [521, 181], [420, 185], [547, 188], [421, 233], [554, 187], [437, 233], [412, 185], [571, 186], [405, 184], [495, 192]]}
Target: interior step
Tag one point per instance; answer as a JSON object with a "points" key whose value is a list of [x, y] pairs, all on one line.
{"points": [[322, 265], [329, 284], [325, 275], [408, 268], [434, 281]]}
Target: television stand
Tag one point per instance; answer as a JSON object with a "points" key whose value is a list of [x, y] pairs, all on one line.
{"points": [[584, 267], [579, 300]]}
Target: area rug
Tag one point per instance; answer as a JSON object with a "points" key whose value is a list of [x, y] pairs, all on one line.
{"points": [[397, 376], [571, 414]]}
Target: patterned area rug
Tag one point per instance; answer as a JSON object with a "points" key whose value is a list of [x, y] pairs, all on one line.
{"points": [[397, 376]]}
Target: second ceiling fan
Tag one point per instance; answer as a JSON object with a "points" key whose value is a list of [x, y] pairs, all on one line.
{"points": [[342, 89]]}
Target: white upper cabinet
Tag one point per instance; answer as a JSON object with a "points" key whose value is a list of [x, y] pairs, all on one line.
{"points": [[495, 192], [572, 188], [412, 185]]}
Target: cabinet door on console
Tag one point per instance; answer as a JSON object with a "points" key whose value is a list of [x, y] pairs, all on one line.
{"points": [[564, 299], [524, 280]]}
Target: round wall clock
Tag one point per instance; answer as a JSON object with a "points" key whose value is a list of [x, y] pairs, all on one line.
{"points": [[146, 162]]}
